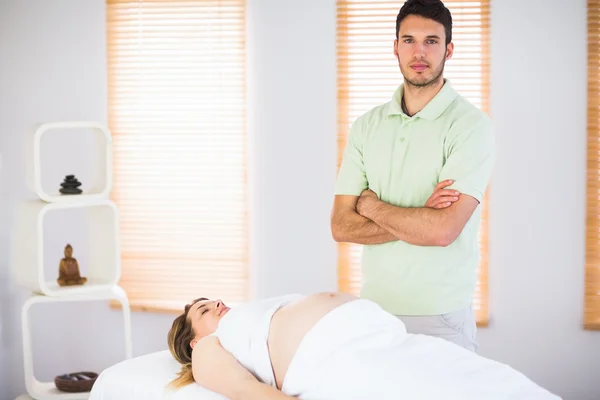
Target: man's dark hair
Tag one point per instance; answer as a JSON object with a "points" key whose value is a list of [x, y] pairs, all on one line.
{"points": [[431, 9]]}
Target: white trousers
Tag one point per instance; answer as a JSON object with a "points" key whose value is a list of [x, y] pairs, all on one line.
{"points": [[458, 327]]}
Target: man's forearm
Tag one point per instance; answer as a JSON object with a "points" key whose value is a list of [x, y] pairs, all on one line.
{"points": [[255, 390], [419, 226], [354, 228]]}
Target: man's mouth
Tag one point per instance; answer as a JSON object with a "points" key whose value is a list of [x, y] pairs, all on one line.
{"points": [[419, 67]]}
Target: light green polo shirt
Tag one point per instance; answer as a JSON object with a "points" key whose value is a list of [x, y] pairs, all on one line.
{"points": [[402, 158]]}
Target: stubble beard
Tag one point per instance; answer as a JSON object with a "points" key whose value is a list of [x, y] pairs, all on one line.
{"points": [[437, 76]]}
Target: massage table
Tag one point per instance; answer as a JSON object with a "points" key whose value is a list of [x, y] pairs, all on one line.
{"points": [[146, 378], [356, 351]]}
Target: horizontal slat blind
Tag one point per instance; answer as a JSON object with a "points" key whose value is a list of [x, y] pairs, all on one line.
{"points": [[176, 74], [368, 74], [592, 266]]}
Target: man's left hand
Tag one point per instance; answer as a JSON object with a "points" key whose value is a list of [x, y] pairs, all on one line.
{"points": [[367, 199]]}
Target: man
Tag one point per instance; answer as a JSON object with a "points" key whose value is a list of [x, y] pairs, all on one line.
{"points": [[421, 250]]}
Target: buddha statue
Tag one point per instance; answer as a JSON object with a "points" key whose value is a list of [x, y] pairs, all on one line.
{"points": [[68, 270]]}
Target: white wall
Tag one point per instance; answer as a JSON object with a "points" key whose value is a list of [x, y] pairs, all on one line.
{"points": [[292, 100], [538, 196], [52, 66]]}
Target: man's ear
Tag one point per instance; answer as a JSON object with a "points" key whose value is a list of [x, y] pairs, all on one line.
{"points": [[449, 50]]}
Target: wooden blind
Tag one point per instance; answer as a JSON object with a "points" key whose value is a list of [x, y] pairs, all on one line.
{"points": [[176, 75], [592, 264], [368, 74]]}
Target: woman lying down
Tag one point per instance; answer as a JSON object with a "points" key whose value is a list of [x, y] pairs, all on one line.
{"points": [[329, 346]]}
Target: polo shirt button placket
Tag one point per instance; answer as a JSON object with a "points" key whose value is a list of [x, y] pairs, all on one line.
{"points": [[402, 130]]}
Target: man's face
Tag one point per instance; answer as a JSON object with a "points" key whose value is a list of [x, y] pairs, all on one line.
{"points": [[205, 316], [421, 50]]}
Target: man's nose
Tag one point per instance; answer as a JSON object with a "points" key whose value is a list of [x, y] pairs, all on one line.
{"points": [[419, 50]]}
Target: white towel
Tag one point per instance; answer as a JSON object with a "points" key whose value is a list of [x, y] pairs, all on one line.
{"points": [[244, 332], [359, 351]]}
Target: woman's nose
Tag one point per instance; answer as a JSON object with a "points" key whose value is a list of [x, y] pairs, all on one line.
{"points": [[219, 303]]}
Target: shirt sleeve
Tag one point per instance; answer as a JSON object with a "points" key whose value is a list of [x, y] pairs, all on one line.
{"points": [[352, 178], [470, 158]]}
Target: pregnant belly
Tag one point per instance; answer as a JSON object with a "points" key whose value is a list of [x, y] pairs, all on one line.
{"points": [[291, 323]]}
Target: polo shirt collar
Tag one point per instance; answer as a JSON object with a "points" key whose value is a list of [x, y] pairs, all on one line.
{"points": [[433, 110]]}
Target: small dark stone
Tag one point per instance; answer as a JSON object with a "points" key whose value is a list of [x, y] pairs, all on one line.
{"points": [[70, 184], [70, 191]]}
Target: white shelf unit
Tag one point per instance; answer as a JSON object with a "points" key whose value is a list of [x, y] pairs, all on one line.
{"points": [[103, 184], [47, 390], [103, 246]]}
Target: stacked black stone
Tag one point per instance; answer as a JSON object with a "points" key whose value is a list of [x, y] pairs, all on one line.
{"points": [[70, 185]]}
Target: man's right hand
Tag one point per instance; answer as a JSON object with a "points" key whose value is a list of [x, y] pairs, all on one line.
{"points": [[442, 197]]}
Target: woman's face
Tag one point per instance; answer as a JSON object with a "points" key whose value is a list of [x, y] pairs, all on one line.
{"points": [[205, 316]]}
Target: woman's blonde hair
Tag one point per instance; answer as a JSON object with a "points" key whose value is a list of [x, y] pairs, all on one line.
{"points": [[179, 338]]}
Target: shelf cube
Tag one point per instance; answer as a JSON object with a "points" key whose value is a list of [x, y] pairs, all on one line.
{"points": [[40, 390], [38, 248], [50, 160]]}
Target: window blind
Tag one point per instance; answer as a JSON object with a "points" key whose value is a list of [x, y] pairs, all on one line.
{"points": [[176, 93], [368, 74], [592, 262]]}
